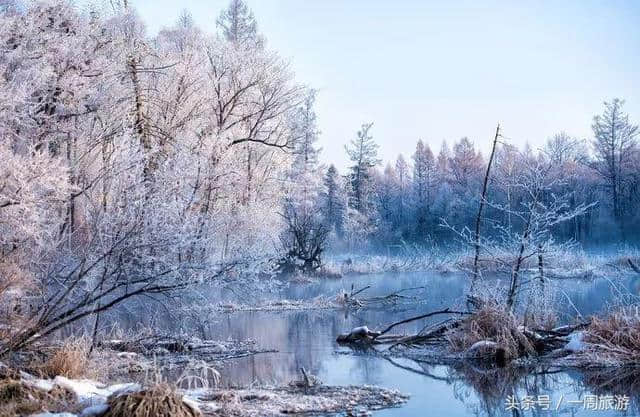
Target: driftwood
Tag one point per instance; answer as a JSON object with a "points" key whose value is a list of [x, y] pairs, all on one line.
{"points": [[351, 300], [435, 334], [148, 344], [308, 381], [358, 334], [362, 334], [542, 343]]}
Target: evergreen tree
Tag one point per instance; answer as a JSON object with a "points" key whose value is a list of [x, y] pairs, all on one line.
{"points": [[238, 25], [363, 152], [305, 131], [333, 202]]}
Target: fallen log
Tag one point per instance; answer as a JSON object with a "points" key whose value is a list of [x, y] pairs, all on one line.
{"points": [[564, 330], [432, 335]]}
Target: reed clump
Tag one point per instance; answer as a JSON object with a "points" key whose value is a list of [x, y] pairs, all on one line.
{"points": [[492, 327], [615, 337], [71, 360], [160, 400], [19, 399]]}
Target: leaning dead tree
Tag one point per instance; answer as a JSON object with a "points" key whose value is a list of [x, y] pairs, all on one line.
{"points": [[483, 196]]}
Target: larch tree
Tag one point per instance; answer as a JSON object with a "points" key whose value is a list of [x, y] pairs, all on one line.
{"points": [[465, 164], [424, 183], [615, 146]]}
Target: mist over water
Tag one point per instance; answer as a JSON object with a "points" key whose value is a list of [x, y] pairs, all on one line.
{"points": [[306, 339]]}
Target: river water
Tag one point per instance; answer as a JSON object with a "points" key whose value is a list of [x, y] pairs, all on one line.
{"points": [[306, 339]]}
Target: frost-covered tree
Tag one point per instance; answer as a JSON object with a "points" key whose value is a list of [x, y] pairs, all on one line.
{"points": [[238, 25], [386, 185], [363, 153], [306, 232], [424, 184], [465, 164], [333, 201], [538, 212], [569, 159], [123, 155], [615, 146], [304, 170], [402, 195]]}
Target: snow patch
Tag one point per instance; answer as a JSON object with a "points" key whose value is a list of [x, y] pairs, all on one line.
{"points": [[576, 342], [41, 384], [86, 391], [95, 410], [127, 355]]}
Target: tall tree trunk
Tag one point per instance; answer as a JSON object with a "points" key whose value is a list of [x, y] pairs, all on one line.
{"points": [[140, 126], [540, 264], [515, 273]]}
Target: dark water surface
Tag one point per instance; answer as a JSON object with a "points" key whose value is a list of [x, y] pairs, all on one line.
{"points": [[306, 339]]}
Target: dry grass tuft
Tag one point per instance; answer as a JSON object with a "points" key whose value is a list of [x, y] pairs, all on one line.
{"points": [[19, 399], [616, 336], [158, 401], [492, 323], [70, 360]]}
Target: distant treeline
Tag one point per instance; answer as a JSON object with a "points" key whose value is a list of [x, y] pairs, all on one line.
{"points": [[407, 200]]}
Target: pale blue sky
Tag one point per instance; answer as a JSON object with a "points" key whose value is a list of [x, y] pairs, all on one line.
{"points": [[445, 69]]}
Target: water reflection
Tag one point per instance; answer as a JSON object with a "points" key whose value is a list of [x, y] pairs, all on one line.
{"points": [[306, 339]]}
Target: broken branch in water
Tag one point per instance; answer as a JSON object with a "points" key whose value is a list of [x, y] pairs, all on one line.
{"points": [[353, 294], [633, 265]]}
